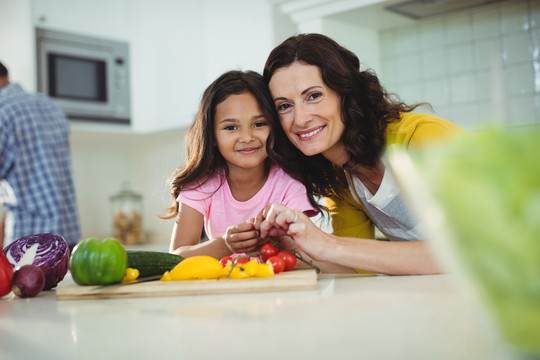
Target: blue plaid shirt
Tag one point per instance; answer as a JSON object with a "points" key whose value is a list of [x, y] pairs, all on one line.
{"points": [[36, 185]]}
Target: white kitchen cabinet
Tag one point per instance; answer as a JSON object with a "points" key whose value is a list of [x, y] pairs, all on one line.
{"points": [[177, 47]]}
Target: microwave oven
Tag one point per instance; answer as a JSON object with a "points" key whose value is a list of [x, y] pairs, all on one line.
{"points": [[88, 77]]}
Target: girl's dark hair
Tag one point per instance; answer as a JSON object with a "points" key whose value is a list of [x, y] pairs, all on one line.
{"points": [[203, 159], [366, 109]]}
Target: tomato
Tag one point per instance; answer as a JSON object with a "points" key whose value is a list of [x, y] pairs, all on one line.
{"points": [[6, 273], [269, 250], [225, 260], [290, 259], [243, 260], [277, 263]]}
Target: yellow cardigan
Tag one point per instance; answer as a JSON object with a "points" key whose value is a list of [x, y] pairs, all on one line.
{"points": [[350, 218]]}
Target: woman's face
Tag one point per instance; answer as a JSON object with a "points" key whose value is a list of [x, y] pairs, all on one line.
{"points": [[309, 111]]}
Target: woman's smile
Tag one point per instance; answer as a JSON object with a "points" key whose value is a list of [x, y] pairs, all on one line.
{"points": [[309, 134]]}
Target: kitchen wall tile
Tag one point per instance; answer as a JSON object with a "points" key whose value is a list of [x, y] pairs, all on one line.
{"points": [[442, 111], [462, 88], [521, 110], [535, 44], [514, 17], [516, 47], [519, 79], [485, 23], [537, 108], [436, 92], [431, 34], [485, 50], [488, 115], [412, 92], [460, 58], [482, 66], [482, 81], [458, 29], [465, 116], [387, 41], [534, 8], [536, 79], [408, 68], [388, 74], [406, 40], [433, 63], [393, 88]]}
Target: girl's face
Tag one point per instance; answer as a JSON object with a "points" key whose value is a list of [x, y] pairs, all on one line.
{"points": [[309, 111], [241, 131]]}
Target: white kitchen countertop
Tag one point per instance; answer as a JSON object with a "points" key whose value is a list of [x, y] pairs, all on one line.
{"points": [[360, 317]]}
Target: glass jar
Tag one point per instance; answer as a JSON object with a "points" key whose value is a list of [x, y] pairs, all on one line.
{"points": [[127, 215]]}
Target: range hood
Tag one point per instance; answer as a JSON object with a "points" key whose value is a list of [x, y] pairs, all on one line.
{"points": [[420, 9]]}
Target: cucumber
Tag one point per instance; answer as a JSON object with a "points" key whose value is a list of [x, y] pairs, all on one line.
{"points": [[151, 263]]}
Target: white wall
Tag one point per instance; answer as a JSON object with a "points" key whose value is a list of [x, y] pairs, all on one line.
{"points": [[17, 50], [103, 162], [102, 18]]}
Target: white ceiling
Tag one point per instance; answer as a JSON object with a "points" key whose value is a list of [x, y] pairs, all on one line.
{"points": [[374, 16], [368, 13]]}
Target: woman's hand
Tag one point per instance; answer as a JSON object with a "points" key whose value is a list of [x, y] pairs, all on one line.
{"points": [[242, 237], [278, 220], [346, 253]]}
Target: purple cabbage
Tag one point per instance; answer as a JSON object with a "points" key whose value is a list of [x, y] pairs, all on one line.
{"points": [[48, 251]]}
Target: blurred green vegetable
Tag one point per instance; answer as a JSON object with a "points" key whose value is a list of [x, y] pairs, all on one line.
{"points": [[489, 187]]}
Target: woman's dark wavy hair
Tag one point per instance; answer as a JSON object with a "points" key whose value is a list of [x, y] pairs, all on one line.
{"points": [[366, 109], [203, 158]]}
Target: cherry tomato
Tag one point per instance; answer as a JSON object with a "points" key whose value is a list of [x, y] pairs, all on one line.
{"points": [[290, 259], [277, 262], [244, 260], [269, 250], [225, 260]]}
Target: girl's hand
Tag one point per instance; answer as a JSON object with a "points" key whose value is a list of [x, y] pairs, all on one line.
{"points": [[242, 237], [278, 220]]}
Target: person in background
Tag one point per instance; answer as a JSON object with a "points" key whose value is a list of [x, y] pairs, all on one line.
{"points": [[228, 177], [336, 122], [36, 186]]}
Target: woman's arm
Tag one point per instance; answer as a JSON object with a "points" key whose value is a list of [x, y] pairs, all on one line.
{"points": [[393, 258]]}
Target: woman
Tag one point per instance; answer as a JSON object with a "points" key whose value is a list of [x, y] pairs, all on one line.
{"points": [[338, 121]]}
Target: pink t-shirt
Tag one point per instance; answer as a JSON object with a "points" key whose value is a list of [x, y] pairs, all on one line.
{"points": [[221, 209]]}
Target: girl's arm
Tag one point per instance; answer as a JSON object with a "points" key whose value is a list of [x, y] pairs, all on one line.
{"points": [[393, 258], [187, 232]]}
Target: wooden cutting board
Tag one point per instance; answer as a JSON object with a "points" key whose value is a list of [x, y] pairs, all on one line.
{"points": [[305, 279]]}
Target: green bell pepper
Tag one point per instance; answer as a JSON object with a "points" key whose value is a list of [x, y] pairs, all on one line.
{"points": [[95, 262]]}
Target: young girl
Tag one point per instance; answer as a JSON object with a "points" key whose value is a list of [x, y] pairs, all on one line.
{"points": [[227, 177]]}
